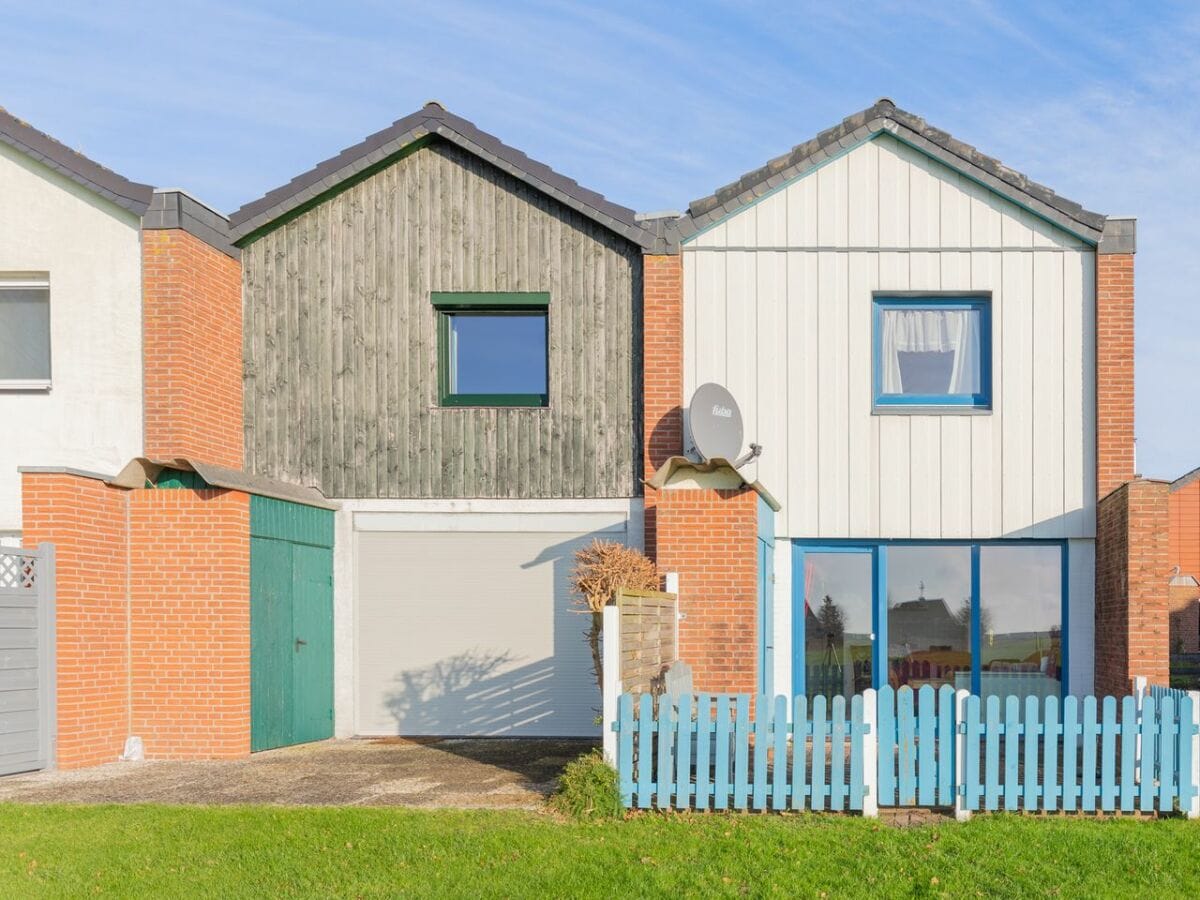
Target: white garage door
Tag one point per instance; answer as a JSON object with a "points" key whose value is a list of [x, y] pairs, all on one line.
{"points": [[471, 633]]}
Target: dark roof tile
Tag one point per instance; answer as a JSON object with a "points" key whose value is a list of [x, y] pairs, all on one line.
{"points": [[886, 116], [39, 146], [435, 119]]}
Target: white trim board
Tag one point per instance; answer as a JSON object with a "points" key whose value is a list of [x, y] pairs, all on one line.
{"points": [[615, 522], [626, 504], [622, 516]]}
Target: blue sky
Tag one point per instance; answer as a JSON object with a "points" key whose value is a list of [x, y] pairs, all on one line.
{"points": [[654, 105]]}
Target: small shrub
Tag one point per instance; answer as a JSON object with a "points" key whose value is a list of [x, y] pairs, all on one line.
{"points": [[601, 568], [588, 789]]}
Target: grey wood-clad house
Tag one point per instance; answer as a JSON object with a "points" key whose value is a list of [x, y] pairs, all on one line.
{"points": [[444, 335]]}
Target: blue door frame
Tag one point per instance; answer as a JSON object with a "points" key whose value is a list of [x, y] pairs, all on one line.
{"points": [[766, 598], [878, 552]]}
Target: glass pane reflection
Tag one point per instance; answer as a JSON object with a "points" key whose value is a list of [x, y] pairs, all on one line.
{"points": [[1020, 621], [929, 616], [837, 623]]}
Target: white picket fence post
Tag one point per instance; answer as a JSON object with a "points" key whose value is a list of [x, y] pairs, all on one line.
{"points": [[1140, 687], [612, 679], [1193, 810], [870, 760], [961, 813]]}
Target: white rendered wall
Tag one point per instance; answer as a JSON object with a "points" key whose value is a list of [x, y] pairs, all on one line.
{"points": [[91, 418], [777, 306]]}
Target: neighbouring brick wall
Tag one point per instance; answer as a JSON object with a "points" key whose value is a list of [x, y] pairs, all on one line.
{"points": [[709, 537], [1132, 575], [662, 372], [1185, 528], [1184, 602], [190, 624], [1114, 371], [192, 321], [152, 617], [86, 521]]}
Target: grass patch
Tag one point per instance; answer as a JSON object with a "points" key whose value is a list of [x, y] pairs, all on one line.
{"points": [[148, 851]]}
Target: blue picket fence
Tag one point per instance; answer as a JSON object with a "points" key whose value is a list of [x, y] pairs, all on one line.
{"points": [[711, 754], [909, 748], [916, 746], [1157, 691], [1078, 755]]}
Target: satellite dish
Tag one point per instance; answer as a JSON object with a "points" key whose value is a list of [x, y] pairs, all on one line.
{"points": [[716, 423]]}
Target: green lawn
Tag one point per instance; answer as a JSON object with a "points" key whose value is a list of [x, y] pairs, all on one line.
{"points": [[254, 851]]}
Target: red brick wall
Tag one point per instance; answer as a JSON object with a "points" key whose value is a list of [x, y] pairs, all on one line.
{"points": [[1185, 528], [86, 521], [1184, 603], [710, 538], [1132, 574], [662, 372], [190, 627], [192, 322], [1114, 371], [153, 617]]}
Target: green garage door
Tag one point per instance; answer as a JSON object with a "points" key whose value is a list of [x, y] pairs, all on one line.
{"points": [[291, 623]]}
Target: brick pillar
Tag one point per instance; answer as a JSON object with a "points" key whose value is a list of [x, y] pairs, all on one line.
{"points": [[1132, 576], [189, 627], [1114, 356], [662, 373], [710, 538], [86, 521], [192, 324], [152, 616]]}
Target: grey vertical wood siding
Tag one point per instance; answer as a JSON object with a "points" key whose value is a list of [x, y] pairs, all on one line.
{"points": [[341, 349]]}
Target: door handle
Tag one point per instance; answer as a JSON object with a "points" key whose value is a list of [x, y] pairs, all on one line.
{"points": [[300, 642]]}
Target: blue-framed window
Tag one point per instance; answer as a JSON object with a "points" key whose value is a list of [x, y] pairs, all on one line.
{"points": [[988, 616], [932, 352]]}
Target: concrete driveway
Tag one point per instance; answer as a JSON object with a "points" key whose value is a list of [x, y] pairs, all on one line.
{"points": [[468, 773]]}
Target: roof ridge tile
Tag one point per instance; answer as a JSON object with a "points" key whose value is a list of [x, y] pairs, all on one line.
{"points": [[885, 115], [48, 150], [436, 119]]}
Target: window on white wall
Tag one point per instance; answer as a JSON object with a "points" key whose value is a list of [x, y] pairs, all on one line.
{"points": [[932, 352], [24, 334]]}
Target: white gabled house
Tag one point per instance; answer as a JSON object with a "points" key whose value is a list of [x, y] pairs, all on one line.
{"points": [[70, 312], [910, 329]]}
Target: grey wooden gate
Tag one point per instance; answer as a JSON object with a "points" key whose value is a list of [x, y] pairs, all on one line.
{"points": [[26, 658]]}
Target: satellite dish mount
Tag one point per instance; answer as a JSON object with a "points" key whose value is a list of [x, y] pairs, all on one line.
{"points": [[716, 426]]}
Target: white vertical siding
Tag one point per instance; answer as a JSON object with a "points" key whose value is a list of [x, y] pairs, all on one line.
{"points": [[778, 307], [782, 598]]}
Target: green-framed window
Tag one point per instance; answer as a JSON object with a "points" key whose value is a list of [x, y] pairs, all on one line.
{"points": [[493, 348]]}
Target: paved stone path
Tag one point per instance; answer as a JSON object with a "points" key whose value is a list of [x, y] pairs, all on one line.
{"points": [[466, 773]]}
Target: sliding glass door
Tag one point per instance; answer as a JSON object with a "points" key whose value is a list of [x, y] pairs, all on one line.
{"points": [[989, 617], [837, 621], [929, 616], [1020, 621]]}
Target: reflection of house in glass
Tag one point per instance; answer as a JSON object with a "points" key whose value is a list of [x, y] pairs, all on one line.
{"points": [[927, 642], [924, 622]]}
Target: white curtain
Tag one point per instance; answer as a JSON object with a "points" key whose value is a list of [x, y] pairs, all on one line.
{"points": [[932, 331]]}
